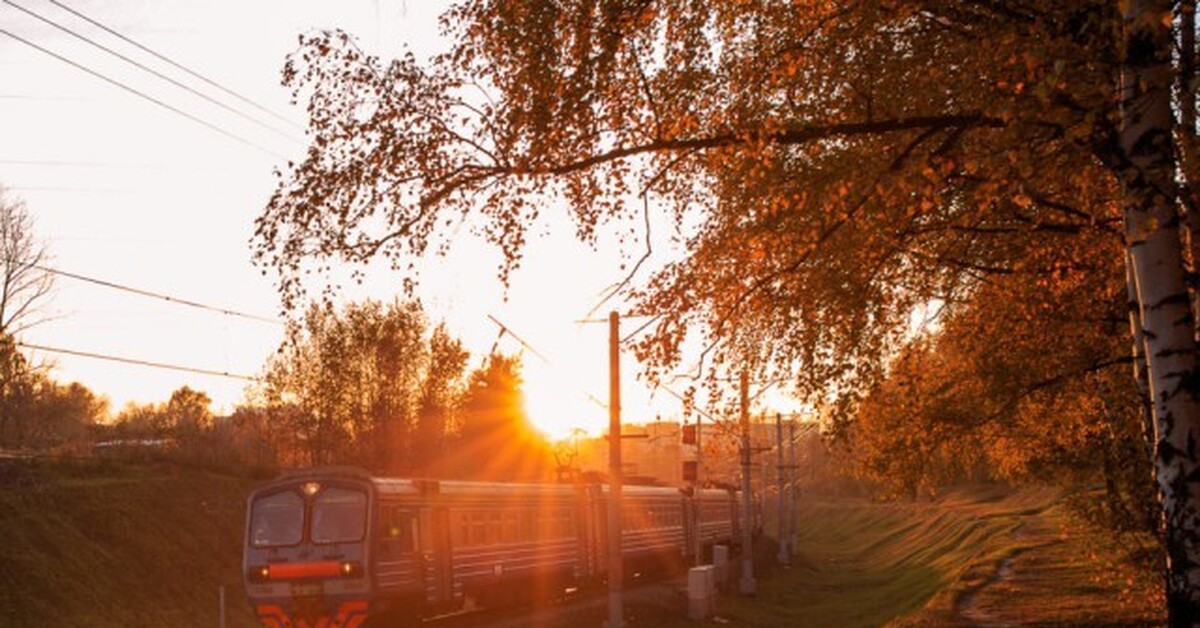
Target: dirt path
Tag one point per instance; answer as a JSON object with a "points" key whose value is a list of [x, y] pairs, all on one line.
{"points": [[1049, 578], [969, 607]]}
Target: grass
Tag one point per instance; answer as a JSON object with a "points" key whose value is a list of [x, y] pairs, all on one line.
{"points": [[100, 544], [863, 564], [939, 563]]}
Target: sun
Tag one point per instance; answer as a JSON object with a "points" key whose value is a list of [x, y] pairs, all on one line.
{"points": [[558, 409]]}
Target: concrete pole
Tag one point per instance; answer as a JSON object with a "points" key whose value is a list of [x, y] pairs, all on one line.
{"points": [[616, 611], [697, 487], [795, 514], [784, 555], [746, 584]]}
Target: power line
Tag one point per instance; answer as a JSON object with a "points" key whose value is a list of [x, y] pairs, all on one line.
{"points": [[137, 362], [115, 165], [64, 188], [173, 63], [504, 329], [41, 97], [148, 69], [147, 293], [136, 92]]}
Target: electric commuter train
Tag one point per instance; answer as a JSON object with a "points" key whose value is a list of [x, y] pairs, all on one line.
{"points": [[334, 547]]}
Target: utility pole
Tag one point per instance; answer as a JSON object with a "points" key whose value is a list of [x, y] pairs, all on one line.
{"points": [[616, 611], [697, 486], [784, 555], [746, 584], [795, 490]]}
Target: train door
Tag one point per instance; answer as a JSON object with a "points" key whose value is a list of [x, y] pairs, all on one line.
{"points": [[443, 575], [398, 562], [585, 534]]}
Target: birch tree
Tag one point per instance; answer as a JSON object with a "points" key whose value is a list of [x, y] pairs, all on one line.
{"points": [[1152, 225]]}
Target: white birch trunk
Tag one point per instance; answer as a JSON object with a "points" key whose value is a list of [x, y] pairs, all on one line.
{"points": [[1156, 253]]}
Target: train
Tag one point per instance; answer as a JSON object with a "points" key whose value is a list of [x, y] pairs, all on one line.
{"points": [[339, 547]]}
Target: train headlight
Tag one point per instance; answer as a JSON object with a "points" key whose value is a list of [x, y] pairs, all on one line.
{"points": [[259, 574], [311, 488], [350, 569]]}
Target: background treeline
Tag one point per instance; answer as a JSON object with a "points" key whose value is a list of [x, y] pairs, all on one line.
{"points": [[370, 384], [376, 385], [37, 412], [1029, 380]]}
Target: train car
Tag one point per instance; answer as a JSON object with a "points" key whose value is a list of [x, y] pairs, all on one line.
{"points": [[307, 549], [654, 529], [717, 515], [333, 547], [508, 542]]}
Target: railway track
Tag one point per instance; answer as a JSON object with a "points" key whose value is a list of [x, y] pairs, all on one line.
{"points": [[580, 607]]}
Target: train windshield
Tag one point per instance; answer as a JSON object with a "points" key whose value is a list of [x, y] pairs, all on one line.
{"points": [[339, 515], [277, 519]]}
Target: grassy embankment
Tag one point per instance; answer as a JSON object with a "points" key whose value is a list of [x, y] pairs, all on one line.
{"points": [[94, 544], [979, 556], [101, 544]]}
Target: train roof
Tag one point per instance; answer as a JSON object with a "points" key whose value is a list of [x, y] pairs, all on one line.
{"points": [[466, 488]]}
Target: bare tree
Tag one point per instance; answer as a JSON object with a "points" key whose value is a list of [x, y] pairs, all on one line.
{"points": [[25, 283]]}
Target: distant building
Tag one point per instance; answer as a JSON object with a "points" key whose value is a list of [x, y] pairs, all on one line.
{"points": [[654, 453]]}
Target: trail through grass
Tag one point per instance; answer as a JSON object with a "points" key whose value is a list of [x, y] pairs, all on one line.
{"points": [[938, 563]]}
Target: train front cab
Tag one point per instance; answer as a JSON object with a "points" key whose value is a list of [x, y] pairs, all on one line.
{"points": [[307, 552]]}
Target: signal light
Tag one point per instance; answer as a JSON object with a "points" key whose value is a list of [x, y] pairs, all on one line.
{"points": [[689, 471], [259, 574], [689, 434]]}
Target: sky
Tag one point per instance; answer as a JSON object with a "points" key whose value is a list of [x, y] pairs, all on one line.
{"points": [[152, 196]]}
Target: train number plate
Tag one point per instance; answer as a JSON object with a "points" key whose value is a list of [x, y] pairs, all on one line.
{"points": [[307, 589]]}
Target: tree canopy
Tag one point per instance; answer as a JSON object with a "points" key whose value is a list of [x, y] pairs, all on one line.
{"points": [[495, 440], [368, 382], [829, 165], [830, 168]]}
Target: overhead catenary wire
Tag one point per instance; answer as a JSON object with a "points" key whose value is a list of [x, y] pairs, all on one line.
{"points": [[69, 163], [212, 127], [148, 69], [137, 362], [173, 63], [147, 293], [505, 329]]}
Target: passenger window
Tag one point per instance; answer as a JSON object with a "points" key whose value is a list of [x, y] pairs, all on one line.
{"points": [[478, 530], [399, 530], [510, 527]]}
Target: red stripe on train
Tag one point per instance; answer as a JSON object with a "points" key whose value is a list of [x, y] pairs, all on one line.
{"points": [[320, 569]]}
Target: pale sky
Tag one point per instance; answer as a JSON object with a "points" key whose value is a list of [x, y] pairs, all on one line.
{"points": [[126, 191]]}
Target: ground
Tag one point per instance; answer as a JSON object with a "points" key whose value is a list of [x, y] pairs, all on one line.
{"points": [[98, 544], [977, 556]]}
